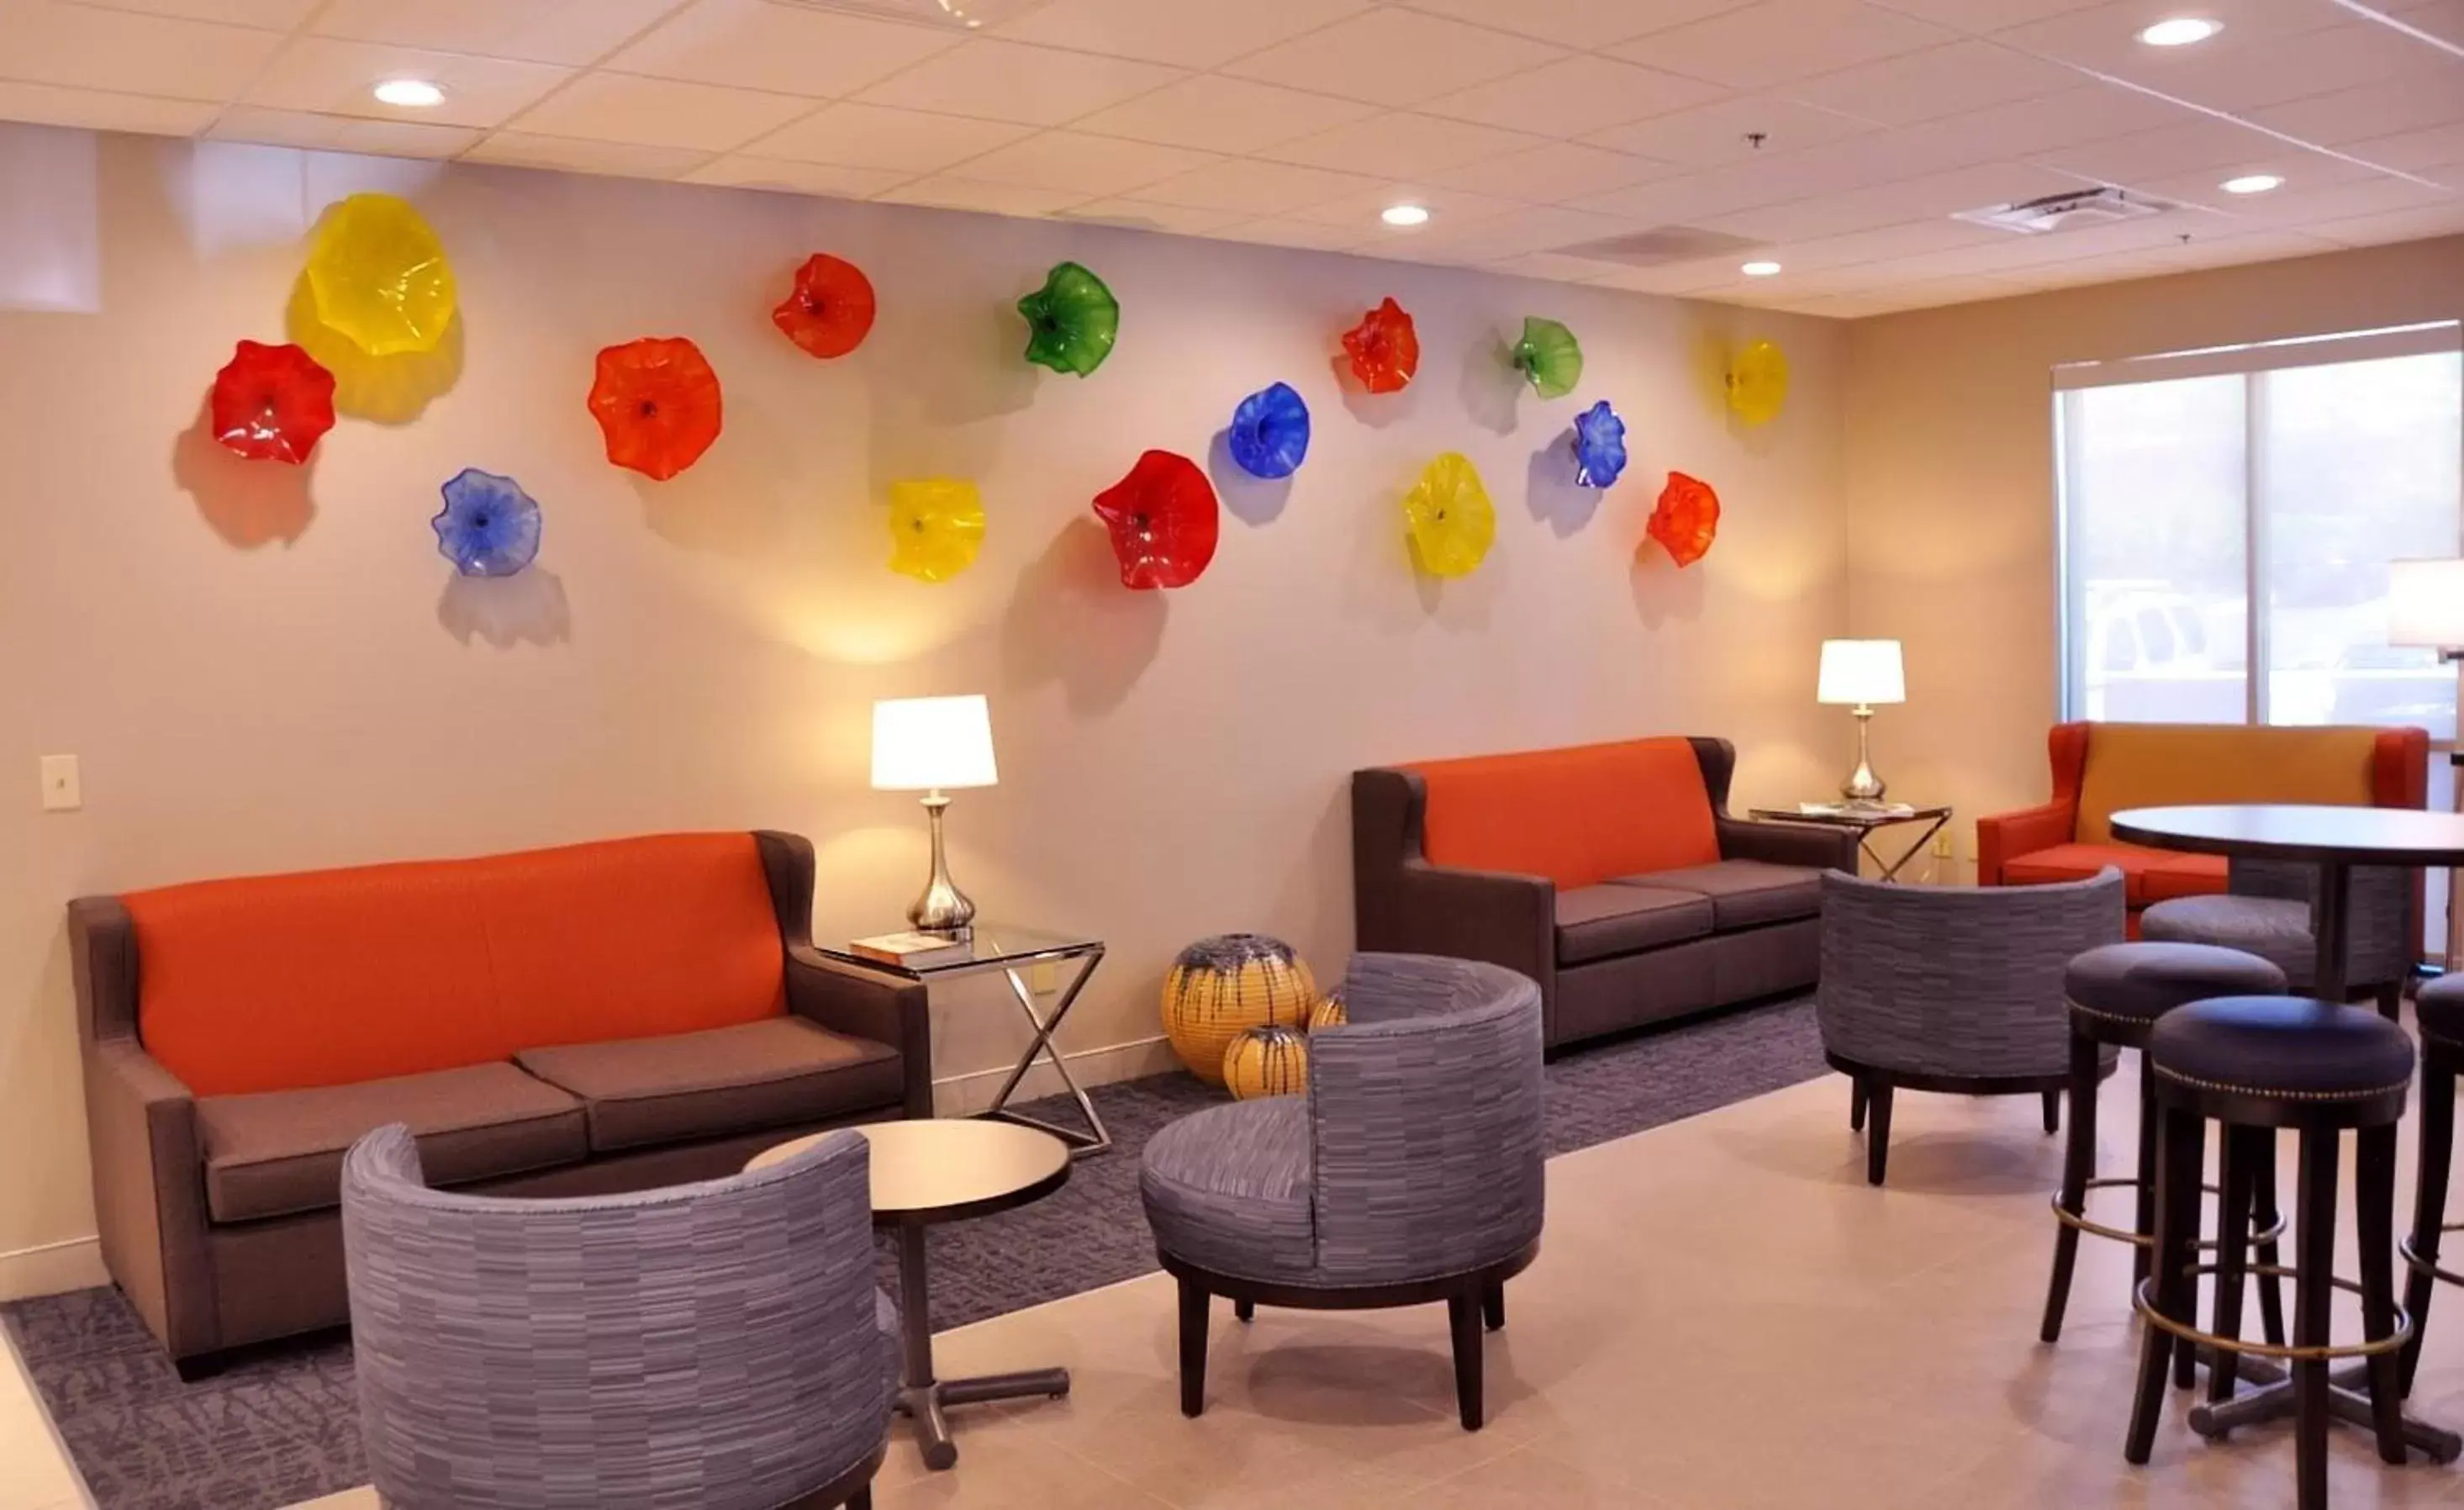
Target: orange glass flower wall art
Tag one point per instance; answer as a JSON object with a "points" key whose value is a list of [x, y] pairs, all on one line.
{"points": [[830, 310], [1686, 519], [272, 403], [1164, 521], [1384, 348], [657, 401]]}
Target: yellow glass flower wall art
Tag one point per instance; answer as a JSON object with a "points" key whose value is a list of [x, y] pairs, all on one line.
{"points": [[936, 526], [379, 278], [1451, 520]]}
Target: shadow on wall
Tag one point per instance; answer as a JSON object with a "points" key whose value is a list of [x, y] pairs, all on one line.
{"points": [[1070, 621], [1551, 493], [1377, 410], [1489, 387], [528, 608], [1663, 589], [1250, 499], [248, 503], [390, 391], [735, 499]]}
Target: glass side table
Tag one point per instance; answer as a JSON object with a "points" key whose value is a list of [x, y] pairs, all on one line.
{"points": [[1865, 822], [1013, 951]]}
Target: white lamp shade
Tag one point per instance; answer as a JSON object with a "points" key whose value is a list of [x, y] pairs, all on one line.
{"points": [[931, 744], [2426, 603], [1861, 671]]}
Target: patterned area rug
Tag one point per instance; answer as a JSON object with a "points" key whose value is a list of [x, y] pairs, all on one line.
{"points": [[280, 1426]]}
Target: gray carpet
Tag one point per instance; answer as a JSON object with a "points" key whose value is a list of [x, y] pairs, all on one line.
{"points": [[280, 1427]]}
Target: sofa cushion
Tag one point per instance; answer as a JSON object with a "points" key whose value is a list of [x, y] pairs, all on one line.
{"points": [[775, 1073], [2166, 764], [1228, 1190], [1745, 894], [2147, 875], [1578, 815], [279, 1152], [1596, 922]]}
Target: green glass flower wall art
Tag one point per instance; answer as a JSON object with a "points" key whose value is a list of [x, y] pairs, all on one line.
{"points": [[1071, 322], [1549, 356]]}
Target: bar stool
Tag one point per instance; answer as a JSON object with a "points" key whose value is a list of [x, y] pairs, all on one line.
{"points": [[2116, 995], [2438, 1013], [2255, 1065]]}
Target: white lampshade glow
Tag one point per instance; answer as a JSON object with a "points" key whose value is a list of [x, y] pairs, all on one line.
{"points": [[931, 744], [2426, 603], [1862, 671]]}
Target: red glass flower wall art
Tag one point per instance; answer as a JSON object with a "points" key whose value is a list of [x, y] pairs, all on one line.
{"points": [[272, 403], [1164, 521], [657, 401], [1384, 348], [829, 311], [1686, 519]]}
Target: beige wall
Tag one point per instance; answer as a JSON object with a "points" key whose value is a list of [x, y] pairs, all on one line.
{"points": [[704, 652], [1950, 486]]}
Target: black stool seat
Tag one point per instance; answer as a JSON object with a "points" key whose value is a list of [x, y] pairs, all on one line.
{"points": [[2440, 1009], [2139, 983], [2283, 1048]]}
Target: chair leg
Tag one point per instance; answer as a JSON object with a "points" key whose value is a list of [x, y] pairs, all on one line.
{"points": [[2374, 1225], [1492, 1306], [2392, 1001], [2150, 1121], [1463, 1315], [2429, 1199], [2264, 1210], [1192, 1348], [2175, 1222], [2078, 1161], [862, 1501], [1877, 1129], [2233, 1258], [2053, 1113], [2184, 1304], [1855, 1103], [1244, 1311], [2314, 1248]]}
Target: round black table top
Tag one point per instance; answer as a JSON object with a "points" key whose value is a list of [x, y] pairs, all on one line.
{"points": [[2289, 832], [947, 1168]]}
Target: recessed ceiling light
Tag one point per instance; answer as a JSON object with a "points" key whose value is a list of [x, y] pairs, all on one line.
{"points": [[2181, 31], [1405, 215], [411, 94], [1760, 269], [2252, 184]]}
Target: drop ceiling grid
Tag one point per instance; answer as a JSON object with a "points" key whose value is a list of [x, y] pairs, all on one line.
{"points": [[1526, 126]]}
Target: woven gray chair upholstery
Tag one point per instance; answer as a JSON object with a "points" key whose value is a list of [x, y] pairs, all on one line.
{"points": [[2266, 910], [1953, 989], [1410, 1173], [712, 1346]]}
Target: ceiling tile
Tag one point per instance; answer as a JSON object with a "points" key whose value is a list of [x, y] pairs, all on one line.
{"points": [[946, 191], [1002, 80], [2195, 146], [2408, 104], [1401, 145], [2072, 117], [2317, 202], [1679, 200], [1579, 23], [740, 171], [1939, 81], [2403, 224], [335, 78], [1162, 31], [1086, 164], [320, 133], [569, 31], [1145, 215], [1447, 208], [1303, 235], [1225, 115], [2278, 69], [2304, 173], [1553, 172], [1910, 239], [274, 15], [95, 110], [913, 141], [46, 42], [1395, 57], [2432, 151], [1720, 133], [2105, 38], [1576, 95], [1550, 265], [749, 44], [572, 155], [1523, 232], [1891, 204], [1261, 189], [1781, 41], [1981, 16], [660, 112]]}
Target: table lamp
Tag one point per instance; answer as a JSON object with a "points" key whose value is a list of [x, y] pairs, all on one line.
{"points": [[929, 745], [1859, 672], [2425, 609]]}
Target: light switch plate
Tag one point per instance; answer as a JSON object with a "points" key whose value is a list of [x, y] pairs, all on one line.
{"points": [[62, 791], [1044, 977], [1942, 845]]}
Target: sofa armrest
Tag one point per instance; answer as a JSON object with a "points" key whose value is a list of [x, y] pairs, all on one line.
{"points": [[149, 1193], [1779, 842], [2005, 837], [1495, 915], [884, 1005]]}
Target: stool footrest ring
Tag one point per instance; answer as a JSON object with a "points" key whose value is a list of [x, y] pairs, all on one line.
{"points": [[2259, 1236], [2420, 1265], [2290, 1352]]}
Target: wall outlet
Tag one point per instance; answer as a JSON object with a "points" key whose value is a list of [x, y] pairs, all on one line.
{"points": [[1942, 845], [1044, 977], [62, 791]]}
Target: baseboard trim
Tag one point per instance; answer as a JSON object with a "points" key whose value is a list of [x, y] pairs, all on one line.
{"points": [[965, 1095], [51, 1269]]}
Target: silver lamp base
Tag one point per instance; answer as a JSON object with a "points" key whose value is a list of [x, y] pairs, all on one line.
{"points": [[1863, 789], [942, 907]]}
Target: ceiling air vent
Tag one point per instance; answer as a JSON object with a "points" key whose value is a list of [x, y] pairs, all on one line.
{"points": [[963, 15], [2071, 211], [1661, 247]]}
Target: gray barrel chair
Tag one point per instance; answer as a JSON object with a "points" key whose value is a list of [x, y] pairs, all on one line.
{"points": [[1953, 989], [2266, 910], [710, 1346], [1410, 1173]]}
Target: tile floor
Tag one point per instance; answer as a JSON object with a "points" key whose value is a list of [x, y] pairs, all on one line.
{"points": [[35, 1471], [1724, 1315]]}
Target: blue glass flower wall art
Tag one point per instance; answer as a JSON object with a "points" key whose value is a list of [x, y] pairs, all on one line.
{"points": [[1270, 432], [1599, 446], [490, 527]]}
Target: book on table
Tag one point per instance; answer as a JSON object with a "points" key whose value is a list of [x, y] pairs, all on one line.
{"points": [[1856, 809], [912, 951]]}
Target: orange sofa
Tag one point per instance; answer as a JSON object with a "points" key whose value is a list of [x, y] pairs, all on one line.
{"points": [[573, 1021], [2101, 768]]}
